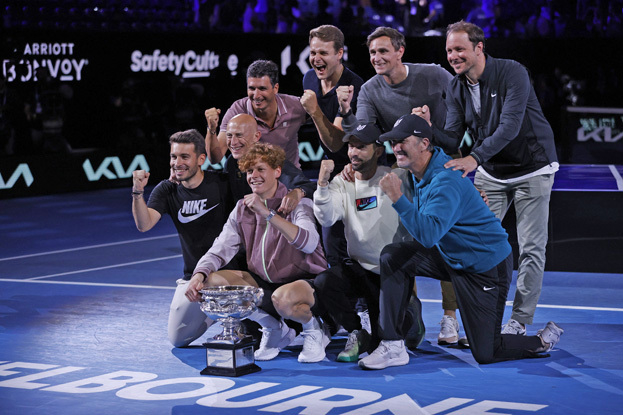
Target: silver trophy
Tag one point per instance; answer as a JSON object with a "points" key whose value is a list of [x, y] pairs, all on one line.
{"points": [[230, 353]]}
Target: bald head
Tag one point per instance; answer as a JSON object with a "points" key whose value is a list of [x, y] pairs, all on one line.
{"points": [[241, 133]]}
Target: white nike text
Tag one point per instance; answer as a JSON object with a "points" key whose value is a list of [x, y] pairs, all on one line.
{"points": [[194, 206]]}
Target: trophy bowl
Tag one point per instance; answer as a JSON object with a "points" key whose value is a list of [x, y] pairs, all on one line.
{"points": [[230, 353]]}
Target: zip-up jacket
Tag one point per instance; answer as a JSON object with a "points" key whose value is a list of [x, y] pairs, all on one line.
{"points": [[511, 136], [269, 254], [448, 212]]}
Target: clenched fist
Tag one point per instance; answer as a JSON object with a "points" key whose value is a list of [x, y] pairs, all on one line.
{"points": [[344, 97], [139, 180], [326, 168], [212, 116], [309, 102]]}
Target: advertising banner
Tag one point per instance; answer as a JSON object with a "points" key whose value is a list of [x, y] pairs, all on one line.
{"points": [[593, 135]]}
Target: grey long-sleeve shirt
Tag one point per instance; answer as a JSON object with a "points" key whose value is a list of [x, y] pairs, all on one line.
{"points": [[382, 103]]}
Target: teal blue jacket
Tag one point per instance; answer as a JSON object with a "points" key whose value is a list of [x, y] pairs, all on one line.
{"points": [[448, 212]]}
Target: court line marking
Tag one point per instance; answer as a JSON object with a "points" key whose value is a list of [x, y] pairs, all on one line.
{"points": [[564, 307], [587, 380], [102, 284], [93, 284], [101, 268], [61, 251], [617, 176]]}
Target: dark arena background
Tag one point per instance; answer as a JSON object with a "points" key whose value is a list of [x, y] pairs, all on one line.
{"points": [[91, 90]]}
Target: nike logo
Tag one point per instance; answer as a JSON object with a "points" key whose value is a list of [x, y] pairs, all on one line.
{"points": [[494, 95], [488, 288], [187, 219]]}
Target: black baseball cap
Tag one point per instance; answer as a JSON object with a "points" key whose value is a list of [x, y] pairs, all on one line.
{"points": [[406, 126], [366, 133]]}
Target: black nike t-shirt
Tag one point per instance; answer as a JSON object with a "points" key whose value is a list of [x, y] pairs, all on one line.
{"points": [[198, 214]]}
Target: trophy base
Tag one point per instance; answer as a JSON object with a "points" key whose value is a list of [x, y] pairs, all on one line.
{"points": [[230, 359], [231, 372]]}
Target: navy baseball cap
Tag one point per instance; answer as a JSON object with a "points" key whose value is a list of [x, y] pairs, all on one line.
{"points": [[366, 133], [406, 126]]}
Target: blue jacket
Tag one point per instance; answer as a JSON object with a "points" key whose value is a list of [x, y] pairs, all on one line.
{"points": [[448, 212]]}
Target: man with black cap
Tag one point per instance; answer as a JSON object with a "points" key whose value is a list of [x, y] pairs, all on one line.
{"points": [[370, 223], [456, 238]]}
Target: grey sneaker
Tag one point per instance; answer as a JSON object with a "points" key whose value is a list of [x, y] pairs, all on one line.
{"points": [[314, 344], [550, 335], [416, 332], [513, 327], [389, 353], [449, 333], [273, 340], [356, 344]]}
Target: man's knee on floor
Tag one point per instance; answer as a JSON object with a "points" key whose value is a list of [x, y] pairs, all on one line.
{"points": [[177, 338], [483, 358], [180, 334]]}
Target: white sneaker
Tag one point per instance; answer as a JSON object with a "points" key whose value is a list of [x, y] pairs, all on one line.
{"points": [[389, 353], [550, 335], [513, 327], [273, 340], [449, 333], [315, 341], [298, 341], [364, 316]]}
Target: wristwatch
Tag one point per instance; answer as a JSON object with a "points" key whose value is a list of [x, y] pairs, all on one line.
{"points": [[270, 215]]}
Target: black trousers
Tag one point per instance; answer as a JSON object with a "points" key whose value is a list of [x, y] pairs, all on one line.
{"points": [[340, 286], [481, 298], [334, 243]]}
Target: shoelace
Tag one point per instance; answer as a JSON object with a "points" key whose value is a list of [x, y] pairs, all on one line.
{"points": [[382, 349], [311, 337], [447, 325], [352, 340], [516, 325], [265, 335]]}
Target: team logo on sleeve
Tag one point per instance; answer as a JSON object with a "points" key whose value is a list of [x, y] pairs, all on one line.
{"points": [[366, 203]]}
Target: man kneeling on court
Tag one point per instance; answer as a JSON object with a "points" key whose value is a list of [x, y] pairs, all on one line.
{"points": [[284, 254], [370, 223], [457, 238]]}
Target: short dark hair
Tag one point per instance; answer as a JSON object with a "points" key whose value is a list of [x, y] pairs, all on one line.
{"points": [[190, 137], [328, 33], [395, 36], [431, 147], [272, 155], [261, 68], [474, 32]]}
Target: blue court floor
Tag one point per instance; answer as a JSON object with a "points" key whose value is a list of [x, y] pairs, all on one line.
{"points": [[84, 301]]}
